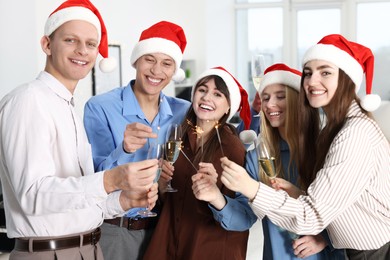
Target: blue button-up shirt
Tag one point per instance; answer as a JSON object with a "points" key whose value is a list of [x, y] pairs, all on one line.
{"points": [[106, 117]]}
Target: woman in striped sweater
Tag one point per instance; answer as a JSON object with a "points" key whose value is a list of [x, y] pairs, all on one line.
{"points": [[345, 164]]}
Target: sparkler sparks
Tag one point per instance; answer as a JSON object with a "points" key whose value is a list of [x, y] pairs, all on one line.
{"points": [[198, 131]]}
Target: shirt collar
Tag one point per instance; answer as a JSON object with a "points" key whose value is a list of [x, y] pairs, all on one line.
{"points": [[56, 86], [132, 107]]}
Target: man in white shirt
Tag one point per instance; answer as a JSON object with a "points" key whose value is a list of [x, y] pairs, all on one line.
{"points": [[54, 203]]}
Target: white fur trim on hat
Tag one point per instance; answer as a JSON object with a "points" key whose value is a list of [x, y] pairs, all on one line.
{"points": [[338, 57], [68, 14], [280, 77], [157, 45], [235, 96]]}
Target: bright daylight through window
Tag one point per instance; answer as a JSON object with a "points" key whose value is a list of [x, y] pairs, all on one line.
{"points": [[284, 29]]}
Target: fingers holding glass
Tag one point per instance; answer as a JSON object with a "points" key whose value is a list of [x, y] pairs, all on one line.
{"points": [[155, 151]]}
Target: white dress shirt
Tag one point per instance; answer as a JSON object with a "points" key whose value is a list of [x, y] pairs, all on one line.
{"points": [[350, 195], [46, 169]]}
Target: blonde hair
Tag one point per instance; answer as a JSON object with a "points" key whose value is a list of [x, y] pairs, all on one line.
{"points": [[272, 135]]}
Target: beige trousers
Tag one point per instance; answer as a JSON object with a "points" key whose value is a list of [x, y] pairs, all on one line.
{"points": [[87, 252]]}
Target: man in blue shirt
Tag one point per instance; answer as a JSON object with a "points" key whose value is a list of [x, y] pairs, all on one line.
{"points": [[122, 123]]}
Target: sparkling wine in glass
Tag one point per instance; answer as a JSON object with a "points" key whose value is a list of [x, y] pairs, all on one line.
{"points": [[265, 158], [257, 69], [155, 151], [172, 148], [267, 165]]}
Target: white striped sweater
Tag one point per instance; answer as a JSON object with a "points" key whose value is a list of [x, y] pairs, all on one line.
{"points": [[350, 195]]}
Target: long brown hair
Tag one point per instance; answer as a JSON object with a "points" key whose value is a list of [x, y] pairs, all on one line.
{"points": [[212, 143], [273, 136], [315, 142]]}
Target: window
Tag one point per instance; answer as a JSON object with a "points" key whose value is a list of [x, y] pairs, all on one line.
{"points": [[310, 28], [285, 29], [371, 18], [258, 37]]}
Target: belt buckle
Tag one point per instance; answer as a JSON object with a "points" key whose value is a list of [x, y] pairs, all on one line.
{"points": [[93, 238], [131, 221]]}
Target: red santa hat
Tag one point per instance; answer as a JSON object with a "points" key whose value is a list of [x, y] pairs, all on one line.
{"points": [[82, 10], [163, 37], [280, 73], [238, 95], [354, 59]]}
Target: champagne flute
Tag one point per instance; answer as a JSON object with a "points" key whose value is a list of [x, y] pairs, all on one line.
{"points": [[267, 166], [155, 151], [265, 158], [257, 69], [172, 148]]}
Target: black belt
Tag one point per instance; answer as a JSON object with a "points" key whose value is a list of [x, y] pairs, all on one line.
{"points": [[57, 243], [133, 223]]}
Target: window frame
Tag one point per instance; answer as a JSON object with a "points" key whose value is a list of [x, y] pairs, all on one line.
{"points": [[348, 21]]}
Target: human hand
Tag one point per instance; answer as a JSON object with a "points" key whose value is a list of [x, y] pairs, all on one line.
{"points": [[235, 178], [133, 199], [135, 136], [281, 184], [166, 175], [136, 176], [308, 245], [256, 104], [152, 196], [204, 187], [208, 169], [167, 171]]}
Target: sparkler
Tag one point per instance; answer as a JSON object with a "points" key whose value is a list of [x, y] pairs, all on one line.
{"points": [[188, 159], [216, 126], [198, 131]]}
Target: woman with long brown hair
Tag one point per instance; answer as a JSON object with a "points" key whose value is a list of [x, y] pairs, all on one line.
{"points": [[186, 227], [345, 157]]}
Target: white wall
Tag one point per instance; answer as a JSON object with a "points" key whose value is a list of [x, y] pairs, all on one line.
{"points": [[19, 45], [208, 26]]}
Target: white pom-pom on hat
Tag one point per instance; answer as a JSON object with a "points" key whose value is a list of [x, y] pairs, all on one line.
{"points": [[370, 102], [248, 136], [179, 76], [107, 65]]}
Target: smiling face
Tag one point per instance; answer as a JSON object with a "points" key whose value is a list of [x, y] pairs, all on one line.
{"points": [[273, 104], [320, 80], [154, 73], [71, 52], [209, 103]]}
